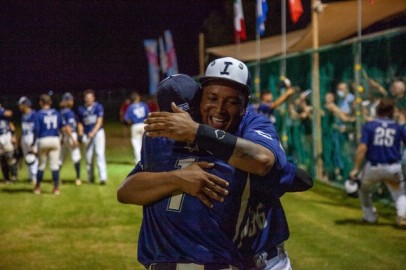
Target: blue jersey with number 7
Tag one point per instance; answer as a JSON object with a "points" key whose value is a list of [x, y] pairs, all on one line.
{"points": [[180, 228]]}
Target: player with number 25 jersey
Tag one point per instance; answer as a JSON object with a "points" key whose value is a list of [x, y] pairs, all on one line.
{"points": [[380, 145]]}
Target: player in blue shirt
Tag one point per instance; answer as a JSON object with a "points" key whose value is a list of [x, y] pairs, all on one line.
{"points": [[261, 134], [70, 141], [7, 141], [90, 129], [381, 142], [48, 125], [135, 115], [28, 136], [268, 105], [183, 218]]}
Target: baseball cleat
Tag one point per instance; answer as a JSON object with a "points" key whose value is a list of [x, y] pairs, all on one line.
{"points": [[401, 222], [37, 190], [56, 191]]}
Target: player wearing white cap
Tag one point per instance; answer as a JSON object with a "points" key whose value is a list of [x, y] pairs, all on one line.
{"points": [[229, 133]]}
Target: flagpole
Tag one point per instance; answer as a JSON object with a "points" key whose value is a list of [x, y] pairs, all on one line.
{"points": [[258, 66], [283, 40], [201, 54], [237, 43], [283, 108], [316, 130], [357, 73]]}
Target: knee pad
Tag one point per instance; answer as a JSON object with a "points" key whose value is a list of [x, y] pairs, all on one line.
{"points": [[10, 158]]}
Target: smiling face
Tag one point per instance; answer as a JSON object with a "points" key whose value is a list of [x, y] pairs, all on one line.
{"points": [[222, 107]]}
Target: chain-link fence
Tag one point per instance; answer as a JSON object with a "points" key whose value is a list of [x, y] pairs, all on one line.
{"points": [[382, 60]]}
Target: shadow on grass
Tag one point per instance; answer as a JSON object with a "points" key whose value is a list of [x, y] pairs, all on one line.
{"points": [[10, 189], [349, 221], [120, 162]]}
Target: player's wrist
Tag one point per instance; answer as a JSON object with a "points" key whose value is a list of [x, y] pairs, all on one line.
{"points": [[218, 142], [173, 180]]}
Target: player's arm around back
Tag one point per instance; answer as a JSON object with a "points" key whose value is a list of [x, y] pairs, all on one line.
{"points": [[243, 154], [143, 188]]}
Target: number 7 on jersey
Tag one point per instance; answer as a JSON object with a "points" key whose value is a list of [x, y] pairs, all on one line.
{"points": [[176, 200]]}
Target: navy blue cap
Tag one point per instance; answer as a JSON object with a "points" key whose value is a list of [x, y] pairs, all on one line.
{"points": [[24, 101], [67, 96], [182, 90]]}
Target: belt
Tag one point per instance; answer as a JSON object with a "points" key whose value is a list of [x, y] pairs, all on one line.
{"points": [[374, 164], [190, 266], [258, 261]]}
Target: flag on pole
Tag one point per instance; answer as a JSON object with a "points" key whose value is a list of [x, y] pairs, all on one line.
{"points": [[296, 10], [172, 63], [163, 57], [239, 23], [151, 49], [262, 10]]}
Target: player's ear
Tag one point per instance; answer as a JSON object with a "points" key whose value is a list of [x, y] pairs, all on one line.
{"points": [[175, 108]]}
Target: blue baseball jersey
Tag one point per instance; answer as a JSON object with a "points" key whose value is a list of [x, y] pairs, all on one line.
{"points": [[264, 109], [224, 216], [69, 118], [28, 123], [136, 113], [263, 222], [4, 122], [88, 116], [180, 228], [384, 138], [48, 123], [259, 129]]}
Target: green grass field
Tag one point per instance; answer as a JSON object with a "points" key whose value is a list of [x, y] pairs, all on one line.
{"points": [[86, 228]]}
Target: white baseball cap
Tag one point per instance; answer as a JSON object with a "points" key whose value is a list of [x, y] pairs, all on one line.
{"points": [[228, 69]]}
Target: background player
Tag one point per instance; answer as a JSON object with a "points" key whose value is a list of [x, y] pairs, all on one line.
{"points": [[70, 142], [7, 142], [135, 115], [47, 126], [28, 119], [90, 128], [380, 145], [267, 105]]}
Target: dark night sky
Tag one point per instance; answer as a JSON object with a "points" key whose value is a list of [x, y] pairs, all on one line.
{"points": [[70, 45]]}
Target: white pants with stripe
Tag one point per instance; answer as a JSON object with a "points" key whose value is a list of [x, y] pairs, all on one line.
{"points": [[97, 146], [26, 142], [136, 140], [49, 148], [68, 148], [392, 176]]}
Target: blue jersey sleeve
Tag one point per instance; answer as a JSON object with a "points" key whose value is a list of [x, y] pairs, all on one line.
{"points": [[61, 121], [365, 133], [258, 129], [99, 110]]}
